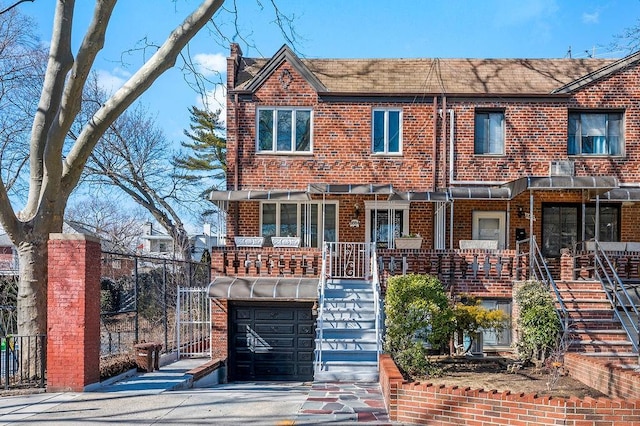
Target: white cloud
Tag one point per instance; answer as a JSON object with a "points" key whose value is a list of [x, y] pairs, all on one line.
{"points": [[509, 13], [210, 63], [591, 18], [110, 81], [216, 99]]}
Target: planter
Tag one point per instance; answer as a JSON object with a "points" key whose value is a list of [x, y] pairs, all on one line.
{"points": [[285, 241], [408, 243], [249, 241]]}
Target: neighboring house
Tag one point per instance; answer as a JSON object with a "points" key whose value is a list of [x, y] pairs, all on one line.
{"points": [[8, 255], [160, 244], [475, 155]]}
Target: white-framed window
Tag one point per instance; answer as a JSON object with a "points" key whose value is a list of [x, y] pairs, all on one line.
{"points": [[284, 130], [595, 133], [489, 133], [386, 131], [489, 225], [498, 339], [386, 221], [313, 222]]}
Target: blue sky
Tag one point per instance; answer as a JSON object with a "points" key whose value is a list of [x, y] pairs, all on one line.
{"points": [[352, 29]]}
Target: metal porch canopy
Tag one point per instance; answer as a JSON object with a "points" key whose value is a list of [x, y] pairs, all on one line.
{"points": [[621, 194], [247, 288], [420, 196], [360, 188], [256, 195], [480, 193]]}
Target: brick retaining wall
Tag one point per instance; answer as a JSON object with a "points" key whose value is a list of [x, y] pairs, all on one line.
{"points": [[424, 403]]}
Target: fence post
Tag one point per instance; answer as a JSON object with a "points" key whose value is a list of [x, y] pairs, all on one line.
{"points": [[164, 299], [135, 298]]}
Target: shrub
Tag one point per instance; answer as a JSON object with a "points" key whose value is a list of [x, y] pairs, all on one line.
{"points": [[538, 322], [417, 313]]}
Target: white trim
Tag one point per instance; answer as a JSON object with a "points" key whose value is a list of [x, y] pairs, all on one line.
{"points": [[386, 131], [502, 221], [274, 122]]}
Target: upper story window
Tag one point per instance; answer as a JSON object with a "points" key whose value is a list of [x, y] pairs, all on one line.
{"points": [[387, 131], [595, 133], [284, 130], [489, 132]]}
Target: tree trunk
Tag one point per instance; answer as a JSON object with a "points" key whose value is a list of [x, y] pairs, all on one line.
{"points": [[32, 288]]}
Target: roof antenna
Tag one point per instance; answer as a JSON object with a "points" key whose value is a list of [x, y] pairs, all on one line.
{"points": [[568, 55]]}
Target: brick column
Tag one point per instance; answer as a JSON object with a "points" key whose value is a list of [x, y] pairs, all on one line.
{"points": [[73, 312], [566, 265], [219, 328]]}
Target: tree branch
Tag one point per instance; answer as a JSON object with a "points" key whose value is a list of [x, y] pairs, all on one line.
{"points": [[162, 60]]}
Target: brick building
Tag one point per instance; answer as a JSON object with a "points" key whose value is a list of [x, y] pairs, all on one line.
{"points": [[480, 157]]}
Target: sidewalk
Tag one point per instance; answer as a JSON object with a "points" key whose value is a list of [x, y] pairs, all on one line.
{"points": [[166, 397]]}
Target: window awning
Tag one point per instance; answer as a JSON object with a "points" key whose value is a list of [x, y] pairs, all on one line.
{"points": [[595, 183], [621, 194], [360, 188], [252, 195], [263, 288]]}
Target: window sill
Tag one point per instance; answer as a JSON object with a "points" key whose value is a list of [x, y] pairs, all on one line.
{"points": [[587, 156], [285, 154], [386, 154], [490, 155]]}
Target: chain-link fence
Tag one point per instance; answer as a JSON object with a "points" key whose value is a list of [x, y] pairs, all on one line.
{"points": [[138, 299]]}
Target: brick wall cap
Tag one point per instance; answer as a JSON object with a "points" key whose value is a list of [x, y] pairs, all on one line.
{"points": [[74, 237]]}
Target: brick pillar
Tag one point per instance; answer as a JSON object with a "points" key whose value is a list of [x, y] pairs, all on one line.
{"points": [[566, 265], [73, 312], [219, 328]]}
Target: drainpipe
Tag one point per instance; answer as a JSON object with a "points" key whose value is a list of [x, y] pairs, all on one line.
{"points": [[236, 165], [444, 138], [434, 150]]}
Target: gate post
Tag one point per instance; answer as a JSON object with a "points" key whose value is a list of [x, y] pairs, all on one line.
{"points": [[73, 312]]}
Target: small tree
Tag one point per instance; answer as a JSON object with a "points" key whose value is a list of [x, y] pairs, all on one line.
{"points": [[417, 312], [471, 317], [538, 322]]}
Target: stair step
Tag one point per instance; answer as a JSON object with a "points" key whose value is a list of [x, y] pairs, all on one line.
{"points": [[349, 294], [349, 355], [348, 324], [333, 304], [345, 345]]}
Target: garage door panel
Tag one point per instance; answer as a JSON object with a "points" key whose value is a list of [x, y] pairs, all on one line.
{"points": [[274, 314], [271, 342], [276, 329]]}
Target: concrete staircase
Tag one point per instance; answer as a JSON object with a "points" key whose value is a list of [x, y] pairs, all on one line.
{"points": [[596, 330], [347, 344]]}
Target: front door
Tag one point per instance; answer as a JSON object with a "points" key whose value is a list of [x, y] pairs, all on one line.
{"points": [[386, 225]]}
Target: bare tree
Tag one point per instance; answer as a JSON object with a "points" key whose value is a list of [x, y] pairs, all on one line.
{"points": [[104, 216], [53, 176], [134, 156]]}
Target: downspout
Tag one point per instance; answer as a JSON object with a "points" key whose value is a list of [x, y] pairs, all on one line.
{"points": [[444, 138], [434, 150], [236, 165]]}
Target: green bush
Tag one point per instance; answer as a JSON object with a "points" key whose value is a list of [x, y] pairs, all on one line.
{"points": [[538, 322], [417, 315]]}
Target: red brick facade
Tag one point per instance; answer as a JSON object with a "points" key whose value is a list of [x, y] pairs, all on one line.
{"points": [[73, 314]]}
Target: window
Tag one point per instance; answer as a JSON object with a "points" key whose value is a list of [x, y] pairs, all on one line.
{"points": [[489, 226], [300, 219], [489, 133], [562, 225], [595, 133], [387, 131], [284, 130]]}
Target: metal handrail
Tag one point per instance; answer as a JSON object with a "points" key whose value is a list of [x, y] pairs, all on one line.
{"points": [[375, 283], [616, 290], [322, 283], [540, 272]]}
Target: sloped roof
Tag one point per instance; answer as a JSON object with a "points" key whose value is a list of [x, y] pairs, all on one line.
{"points": [[436, 75]]}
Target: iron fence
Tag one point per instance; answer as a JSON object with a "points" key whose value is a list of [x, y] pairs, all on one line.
{"points": [[138, 299], [22, 361]]}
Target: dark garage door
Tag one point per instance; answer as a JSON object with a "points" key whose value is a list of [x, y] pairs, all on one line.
{"points": [[271, 341]]}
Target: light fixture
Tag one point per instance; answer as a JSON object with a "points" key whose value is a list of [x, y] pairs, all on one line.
{"points": [[356, 210], [520, 211]]}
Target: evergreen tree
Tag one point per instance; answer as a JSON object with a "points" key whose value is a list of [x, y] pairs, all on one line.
{"points": [[208, 158]]}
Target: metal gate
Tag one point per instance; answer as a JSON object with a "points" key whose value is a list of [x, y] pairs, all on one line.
{"points": [[193, 322]]}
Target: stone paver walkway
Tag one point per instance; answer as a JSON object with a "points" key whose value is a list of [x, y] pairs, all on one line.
{"points": [[344, 403]]}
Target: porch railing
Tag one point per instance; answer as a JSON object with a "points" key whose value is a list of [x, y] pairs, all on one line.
{"points": [[349, 260], [618, 292], [375, 283]]}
